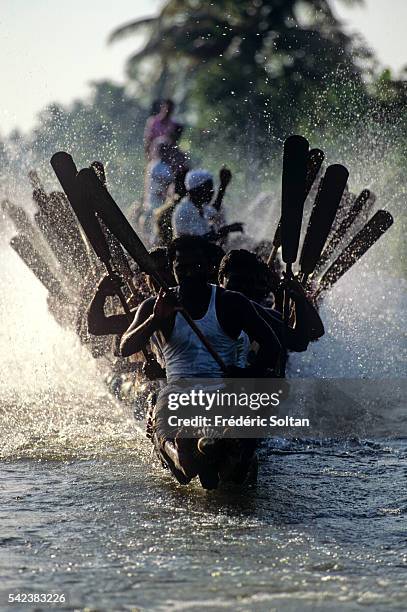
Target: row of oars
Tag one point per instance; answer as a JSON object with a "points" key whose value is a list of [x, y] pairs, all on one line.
{"points": [[97, 234], [338, 220], [54, 248]]}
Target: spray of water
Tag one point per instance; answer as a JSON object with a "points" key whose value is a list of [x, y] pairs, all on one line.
{"points": [[53, 399]]}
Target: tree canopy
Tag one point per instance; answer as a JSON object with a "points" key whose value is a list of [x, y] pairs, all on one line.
{"points": [[257, 64]]}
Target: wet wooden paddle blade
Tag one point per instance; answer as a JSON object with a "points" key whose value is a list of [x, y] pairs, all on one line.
{"points": [[77, 194], [294, 176], [322, 215], [314, 163], [116, 222], [18, 216], [87, 218], [119, 259], [337, 236], [66, 171], [362, 242], [21, 244], [99, 168]]}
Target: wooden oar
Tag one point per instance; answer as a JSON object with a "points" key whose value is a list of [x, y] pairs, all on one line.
{"points": [[66, 171], [368, 235], [361, 202], [19, 217], [21, 244], [294, 176], [314, 163], [60, 229], [117, 223], [24, 225], [35, 180], [118, 257], [322, 215]]}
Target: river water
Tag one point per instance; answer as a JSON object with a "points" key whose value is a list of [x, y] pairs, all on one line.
{"points": [[86, 511]]}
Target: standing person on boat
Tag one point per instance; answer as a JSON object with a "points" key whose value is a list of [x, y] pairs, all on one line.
{"points": [[194, 215], [221, 315], [160, 125]]}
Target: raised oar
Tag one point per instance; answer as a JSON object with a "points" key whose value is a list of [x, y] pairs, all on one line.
{"points": [[24, 225], [117, 223], [322, 216], [314, 163], [20, 219], [21, 244], [368, 235], [362, 201], [66, 171], [99, 168], [118, 257], [35, 180], [294, 176]]}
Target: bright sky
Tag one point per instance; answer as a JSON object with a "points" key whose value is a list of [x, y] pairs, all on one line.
{"points": [[51, 50]]}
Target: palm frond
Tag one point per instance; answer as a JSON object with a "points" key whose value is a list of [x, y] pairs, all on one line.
{"points": [[131, 28]]}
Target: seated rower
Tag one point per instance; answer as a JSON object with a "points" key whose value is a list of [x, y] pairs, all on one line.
{"points": [[242, 271], [194, 215], [221, 315]]}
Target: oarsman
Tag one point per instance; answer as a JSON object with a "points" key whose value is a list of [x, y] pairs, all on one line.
{"points": [[194, 215], [221, 315], [242, 271]]}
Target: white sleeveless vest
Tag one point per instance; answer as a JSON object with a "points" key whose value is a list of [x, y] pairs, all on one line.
{"points": [[185, 355]]}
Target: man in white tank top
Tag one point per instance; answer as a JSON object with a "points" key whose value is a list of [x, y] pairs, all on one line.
{"points": [[221, 315]]}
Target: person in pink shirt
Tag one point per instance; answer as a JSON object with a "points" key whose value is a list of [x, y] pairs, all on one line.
{"points": [[160, 125]]}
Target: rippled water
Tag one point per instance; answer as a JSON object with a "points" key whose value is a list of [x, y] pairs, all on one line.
{"points": [[323, 528]]}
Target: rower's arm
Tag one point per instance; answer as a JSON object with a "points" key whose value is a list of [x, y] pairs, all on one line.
{"points": [[225, 176], [308, 324], [144, 325], [224, 231], [98, 323], [315, 324], [247, 318]]}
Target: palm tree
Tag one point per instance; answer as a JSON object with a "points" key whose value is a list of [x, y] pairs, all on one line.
{"points": [[246, 58]]}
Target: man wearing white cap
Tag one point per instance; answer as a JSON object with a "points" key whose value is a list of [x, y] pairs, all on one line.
{"points": [[194, 216]]}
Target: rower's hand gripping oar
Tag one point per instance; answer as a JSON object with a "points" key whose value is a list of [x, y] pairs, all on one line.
{"points": [[117, 223], [314, 163], [368, 235], [322, 216]]}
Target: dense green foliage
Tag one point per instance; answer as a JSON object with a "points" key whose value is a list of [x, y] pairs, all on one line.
{"points": [[251, 64]]}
